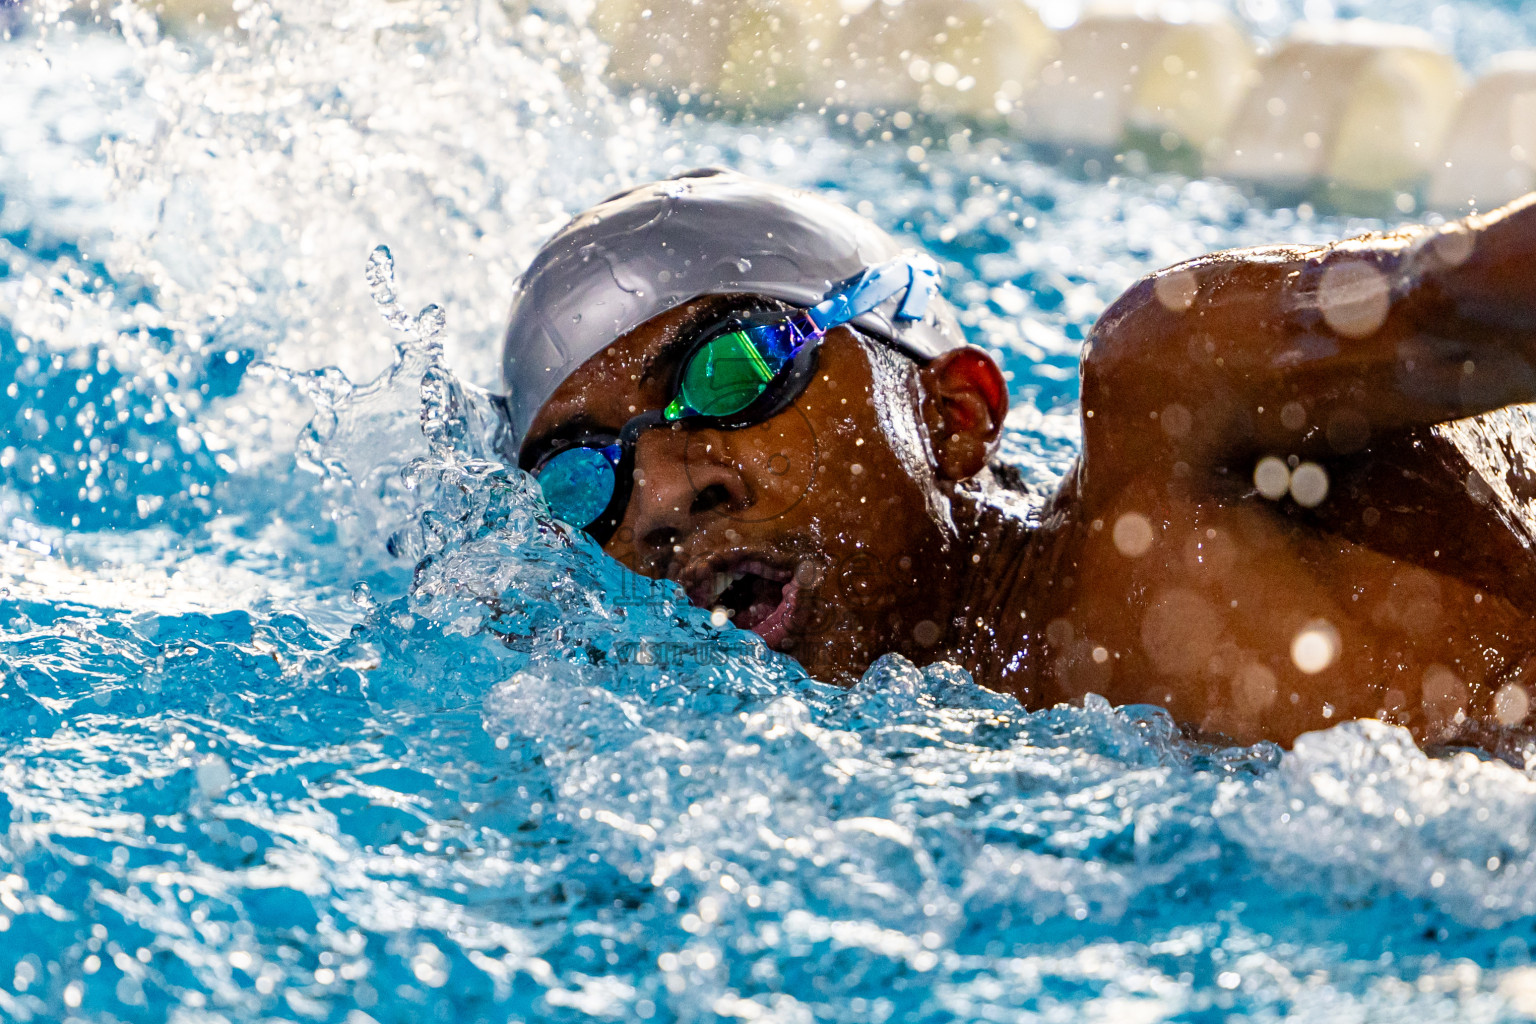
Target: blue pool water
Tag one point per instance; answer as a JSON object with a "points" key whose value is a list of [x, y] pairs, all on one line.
{"points": [[306, 714]]}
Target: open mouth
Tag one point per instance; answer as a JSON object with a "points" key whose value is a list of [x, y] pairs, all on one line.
{"points": [[753, 593]]}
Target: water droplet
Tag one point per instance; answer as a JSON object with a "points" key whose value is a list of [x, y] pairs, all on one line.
{"points": [[1354, 298], [1133, 535], [213, 776], [1272, 477], [379, 272], [1176, 290], [430, 323], [1511, 704], [1315, 647], [1309, 485]]}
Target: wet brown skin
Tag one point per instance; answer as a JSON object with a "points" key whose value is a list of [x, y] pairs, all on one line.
{"points": [[817, 489], [1159, 573]]}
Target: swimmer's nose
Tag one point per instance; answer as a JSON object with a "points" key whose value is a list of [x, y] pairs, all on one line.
{"points": [[682, 479]]}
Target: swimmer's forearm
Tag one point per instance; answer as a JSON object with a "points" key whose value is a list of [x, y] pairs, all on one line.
{"points": [[1283, 347], [1494, 285]]}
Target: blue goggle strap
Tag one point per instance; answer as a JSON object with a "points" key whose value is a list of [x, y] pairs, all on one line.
{"points": [[914, 277]]}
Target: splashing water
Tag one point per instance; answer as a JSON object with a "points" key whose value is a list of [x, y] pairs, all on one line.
{"points": [[310, 713]]}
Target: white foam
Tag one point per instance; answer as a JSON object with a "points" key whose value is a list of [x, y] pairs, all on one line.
{"points": [[1361, 809]]}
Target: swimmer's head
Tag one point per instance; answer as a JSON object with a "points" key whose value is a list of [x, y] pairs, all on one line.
{"points": [[821, 521], [707, 232]]}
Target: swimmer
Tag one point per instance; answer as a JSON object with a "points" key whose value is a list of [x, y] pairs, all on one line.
{"points": [[1274, 525]]}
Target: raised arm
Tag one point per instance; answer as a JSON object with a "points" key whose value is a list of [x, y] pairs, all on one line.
{"points": [[1312, 351]]}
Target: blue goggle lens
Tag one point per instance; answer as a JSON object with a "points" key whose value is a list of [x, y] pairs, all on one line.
{"points": [[578, 485]]}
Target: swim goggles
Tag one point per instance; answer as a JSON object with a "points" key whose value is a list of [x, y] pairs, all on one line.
{"points": [[741, 371]]}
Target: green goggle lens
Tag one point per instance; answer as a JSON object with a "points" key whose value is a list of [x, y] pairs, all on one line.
{"points": [[725, 376], [577, 485]]}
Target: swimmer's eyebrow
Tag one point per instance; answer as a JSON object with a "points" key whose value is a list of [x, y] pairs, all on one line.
{"points": [[571, 427], [686, 332], [681, 336]]}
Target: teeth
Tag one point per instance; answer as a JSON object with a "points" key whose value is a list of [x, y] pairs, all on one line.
{"points": [[709, 593], [722, 582]]}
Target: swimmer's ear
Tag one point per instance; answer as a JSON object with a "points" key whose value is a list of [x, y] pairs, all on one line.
{"points": [[964, 401]]}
